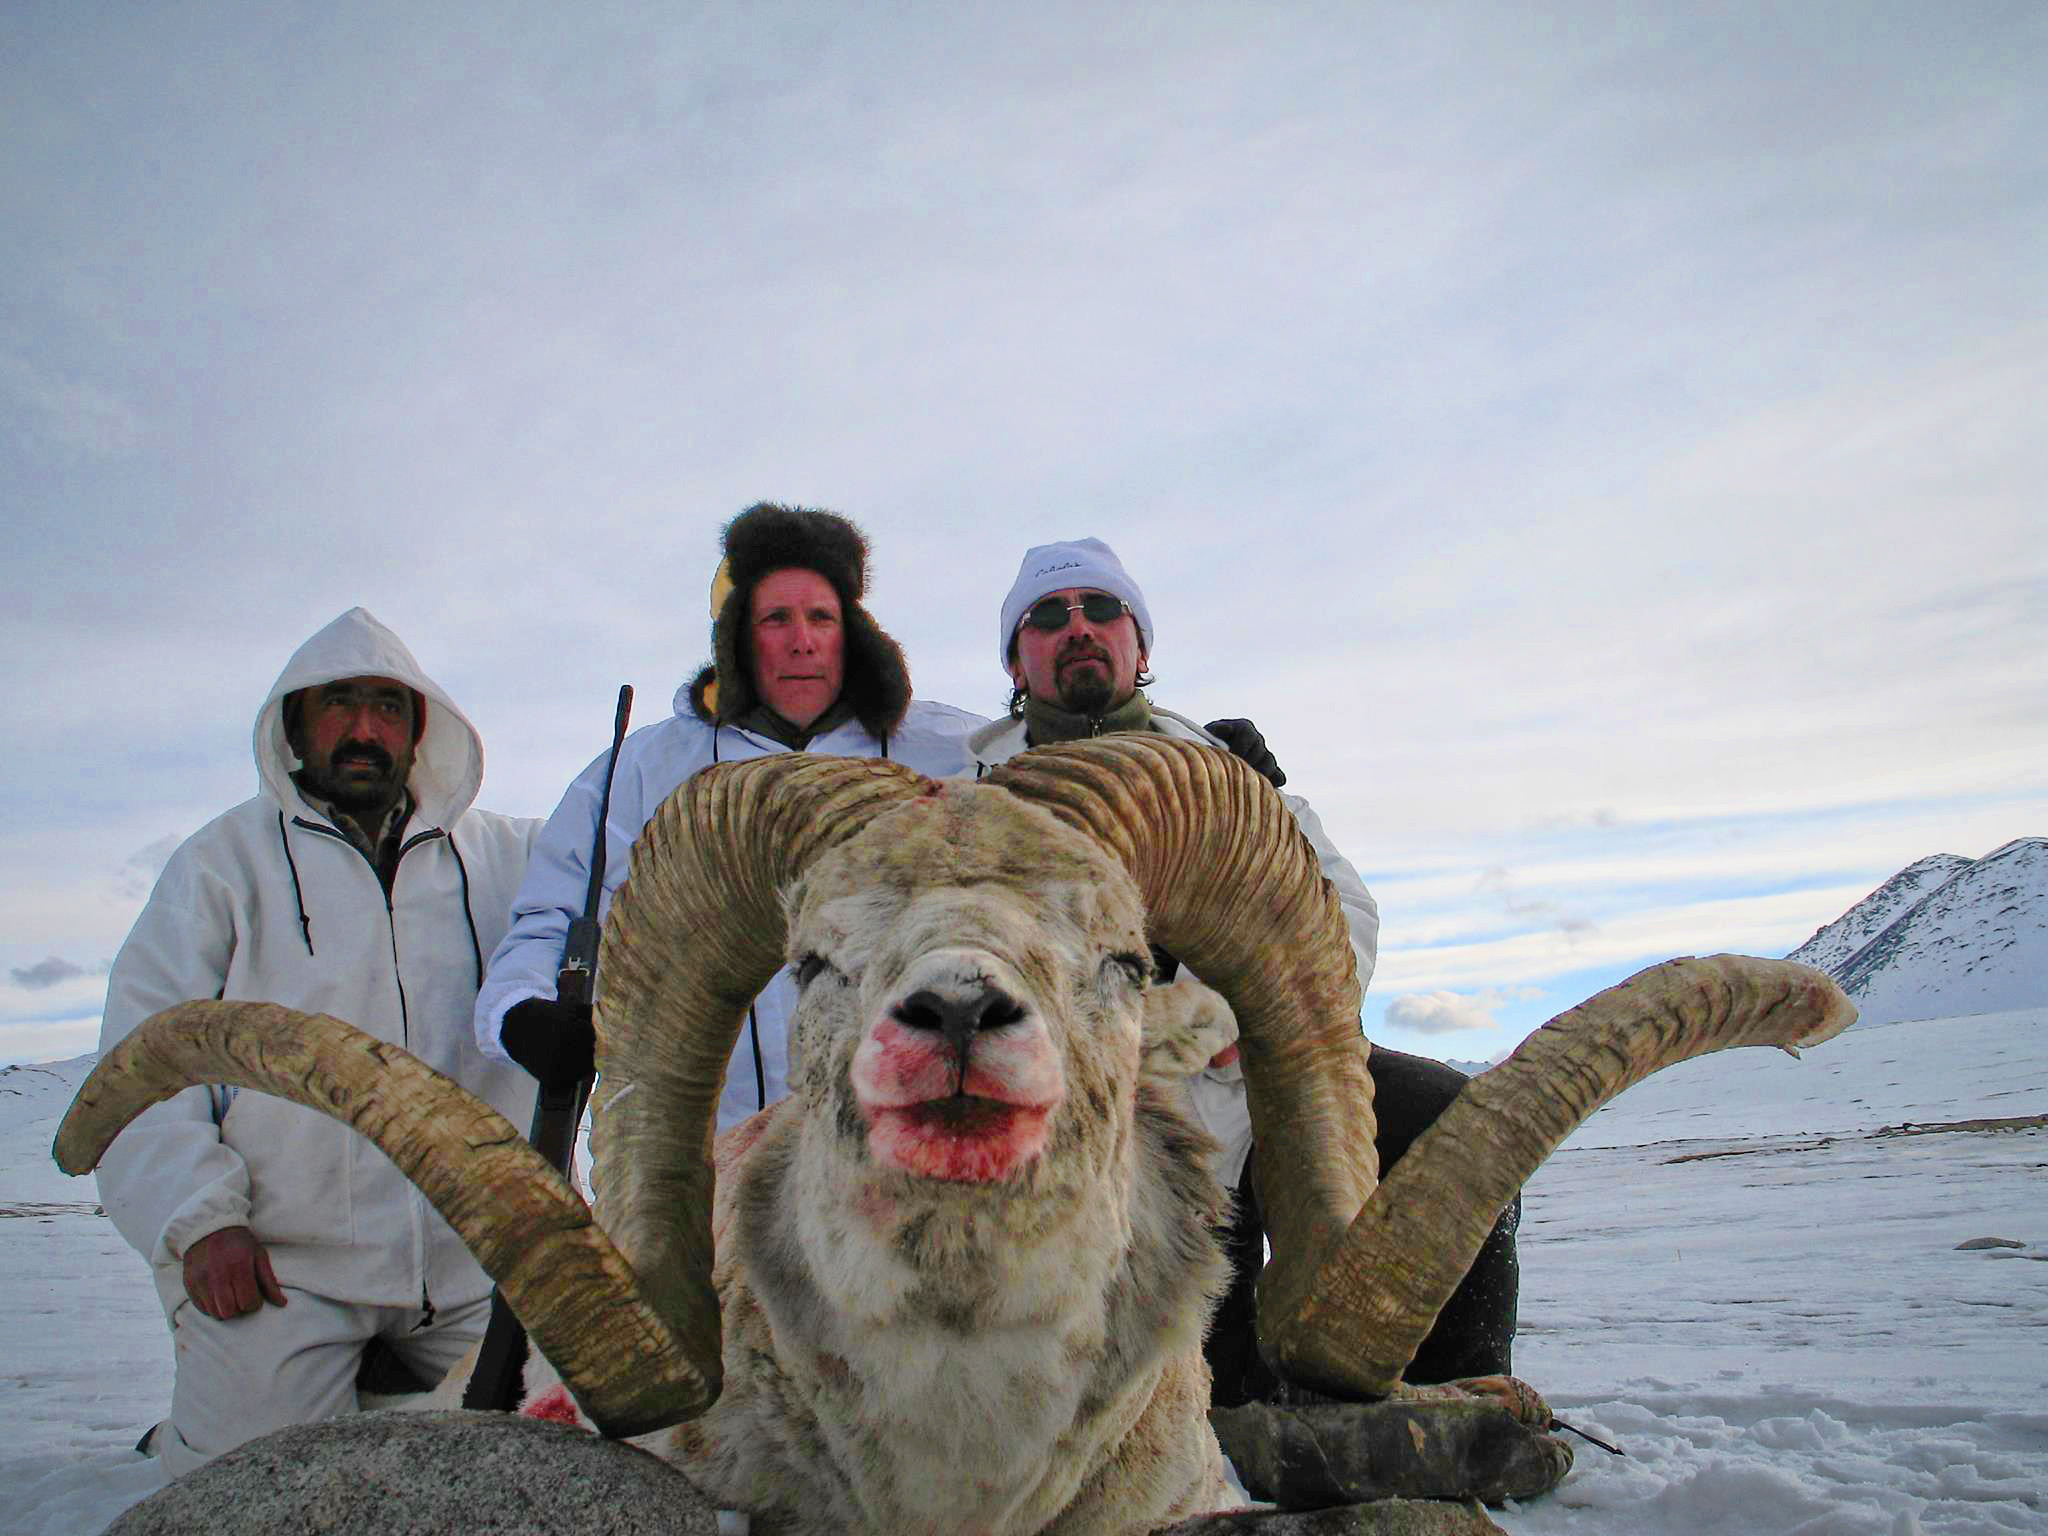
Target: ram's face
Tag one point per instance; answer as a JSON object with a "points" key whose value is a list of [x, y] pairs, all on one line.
{"points": [[970, 991]]}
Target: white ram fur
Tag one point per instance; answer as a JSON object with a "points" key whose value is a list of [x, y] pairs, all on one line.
{"points": [[984, 1328]]}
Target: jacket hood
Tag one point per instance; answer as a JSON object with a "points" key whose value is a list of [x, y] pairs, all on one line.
{"points": [[448, 764]]}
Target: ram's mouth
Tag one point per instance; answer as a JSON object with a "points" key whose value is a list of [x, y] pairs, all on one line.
{"points": [[961, 1139], [966, 1112]]}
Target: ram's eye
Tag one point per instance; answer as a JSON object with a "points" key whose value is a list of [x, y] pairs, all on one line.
{"points": [[1136, 966], [809, 968]]}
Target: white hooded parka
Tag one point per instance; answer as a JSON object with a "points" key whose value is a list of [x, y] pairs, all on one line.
{"points": [[271, 902]]}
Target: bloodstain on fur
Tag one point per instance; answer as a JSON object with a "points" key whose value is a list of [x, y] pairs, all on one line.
{"points": [[555, 1405]]}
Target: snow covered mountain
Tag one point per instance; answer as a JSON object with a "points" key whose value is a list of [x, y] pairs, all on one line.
{"points": [[1840, 940], [33, 1099], [1973, 942]]}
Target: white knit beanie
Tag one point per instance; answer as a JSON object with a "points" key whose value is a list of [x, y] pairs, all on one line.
{"points": [[1085, 563]]}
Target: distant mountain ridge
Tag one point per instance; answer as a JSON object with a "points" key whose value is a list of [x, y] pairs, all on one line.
{"points": [[1840, 940], [1944, 937], [33, 1098], [38, 1084]]}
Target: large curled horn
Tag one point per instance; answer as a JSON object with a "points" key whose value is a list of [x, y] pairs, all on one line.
{"points": [[1232, 888], [531, 1232], [692, 936], [1382, 1289]]}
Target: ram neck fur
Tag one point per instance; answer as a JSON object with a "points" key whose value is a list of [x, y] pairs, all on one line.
{"points": [[889, 1428]]}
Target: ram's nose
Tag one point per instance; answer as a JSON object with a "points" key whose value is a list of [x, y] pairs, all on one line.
{"points": [[958, 1012]]}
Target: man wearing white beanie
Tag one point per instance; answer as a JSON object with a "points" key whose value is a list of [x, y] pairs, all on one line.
{"points": [[1076, 637]]}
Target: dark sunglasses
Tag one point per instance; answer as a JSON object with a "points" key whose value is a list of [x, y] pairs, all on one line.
{"points": [[1049, 613]]}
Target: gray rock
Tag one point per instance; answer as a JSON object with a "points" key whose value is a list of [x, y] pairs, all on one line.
{"points": [[1989, 1242], [427, 1474]]}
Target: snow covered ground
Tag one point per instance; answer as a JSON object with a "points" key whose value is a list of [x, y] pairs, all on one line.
{"points": [[1724, 1272], [1765, 1305]]}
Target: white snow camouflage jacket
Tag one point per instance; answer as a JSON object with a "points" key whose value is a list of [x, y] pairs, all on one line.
{"points": [[653, 761], [1216, 1094], [270, 902]]}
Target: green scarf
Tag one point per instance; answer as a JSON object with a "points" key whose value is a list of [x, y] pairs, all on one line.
{"points": [[1045, 722], [763, 721]]}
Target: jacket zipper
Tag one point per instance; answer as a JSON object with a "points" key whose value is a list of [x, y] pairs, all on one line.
{"points": [[417, 1201], [419, 1220]]}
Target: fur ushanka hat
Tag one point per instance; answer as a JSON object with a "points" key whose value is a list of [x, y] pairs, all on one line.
{"points": [[769, 537]]}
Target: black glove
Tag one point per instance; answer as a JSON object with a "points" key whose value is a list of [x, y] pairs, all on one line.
{"points": [[1243, 738], [554, 1041]]}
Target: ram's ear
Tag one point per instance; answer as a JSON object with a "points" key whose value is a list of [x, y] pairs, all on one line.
{"points": [[1187, 1024]]}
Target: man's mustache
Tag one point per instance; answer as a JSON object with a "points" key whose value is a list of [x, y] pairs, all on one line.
{"points": [[1085, 651], [364, 752]]}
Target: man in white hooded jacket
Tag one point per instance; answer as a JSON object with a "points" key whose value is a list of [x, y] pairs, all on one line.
{"points": [[358, 883]]}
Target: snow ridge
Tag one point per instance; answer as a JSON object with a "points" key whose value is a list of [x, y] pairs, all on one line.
{"points": [[1840, 940], [33, 1098], [1975, 942]]}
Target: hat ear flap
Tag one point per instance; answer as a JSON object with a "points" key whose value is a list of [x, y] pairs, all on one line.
{"points": [[724, 691], [704, 695], [877, 685]]}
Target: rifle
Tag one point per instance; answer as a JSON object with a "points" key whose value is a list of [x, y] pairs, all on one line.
{"points": [[557, 1112]]}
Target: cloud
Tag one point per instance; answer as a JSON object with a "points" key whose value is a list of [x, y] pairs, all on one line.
{"points": [[75, 414], [26, 1040], [1600, 540], [1762, 924], [45, 973], [140, 869], [1497, 884], [1449, 1013]]}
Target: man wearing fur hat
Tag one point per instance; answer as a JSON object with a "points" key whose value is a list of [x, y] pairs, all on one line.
{"points": [[798, 666], [1075, 637], [361, 883]]}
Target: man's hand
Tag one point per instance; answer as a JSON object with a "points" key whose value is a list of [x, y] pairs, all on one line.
{"points": [[228, 1273], [1243, 738], [556, 1042]]}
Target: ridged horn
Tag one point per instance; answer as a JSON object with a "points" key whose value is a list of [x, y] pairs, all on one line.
{"points": [[531, 1232], [693, 935], [1232, 887], [1379, 1294]]}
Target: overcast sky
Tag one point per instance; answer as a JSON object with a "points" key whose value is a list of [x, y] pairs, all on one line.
{"points": [[1604, 452]]}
